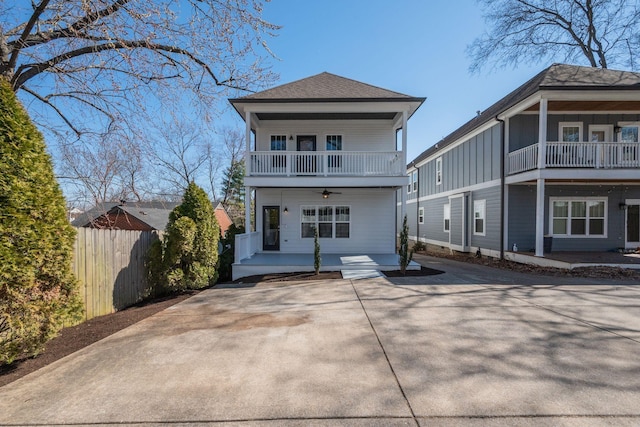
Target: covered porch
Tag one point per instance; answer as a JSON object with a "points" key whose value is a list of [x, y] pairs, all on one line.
{"points": [[276, 262]]}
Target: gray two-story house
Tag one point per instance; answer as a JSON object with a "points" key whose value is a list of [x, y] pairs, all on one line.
{"points": [[554, 164]]}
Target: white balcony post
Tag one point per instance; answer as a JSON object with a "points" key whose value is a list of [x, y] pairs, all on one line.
{"points": [[247, 153], [540, 218], [403, 191], [247, 209], [542, 134]]}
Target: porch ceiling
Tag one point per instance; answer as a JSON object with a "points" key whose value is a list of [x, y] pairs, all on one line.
{"points": [[327, 116], [605, 106]]}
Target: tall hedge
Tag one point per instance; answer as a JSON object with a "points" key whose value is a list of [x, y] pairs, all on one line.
{"points": [[187, 256], [38, 292]]}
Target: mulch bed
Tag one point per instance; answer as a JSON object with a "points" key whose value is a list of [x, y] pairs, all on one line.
{"points": [[77, 337], [588, 272]]}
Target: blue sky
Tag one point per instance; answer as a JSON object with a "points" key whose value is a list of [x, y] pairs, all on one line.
{"points": [[416, 47]]}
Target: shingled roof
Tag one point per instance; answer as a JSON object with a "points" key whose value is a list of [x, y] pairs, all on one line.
{"points": [[325, 87], [555, 77]]}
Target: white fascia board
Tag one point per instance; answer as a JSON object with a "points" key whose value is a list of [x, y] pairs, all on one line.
{"points": [[458, 192], [313, 181], [591, 95], [329, 107], [575, 174]]}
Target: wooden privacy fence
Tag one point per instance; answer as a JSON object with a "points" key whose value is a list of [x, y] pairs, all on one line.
{"points": [[109, 265]]}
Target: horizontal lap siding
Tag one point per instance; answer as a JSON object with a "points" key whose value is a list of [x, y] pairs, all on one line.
{"points": [[523, 129], [433, 227], [522, 207], [457, 217], [491, 239], [357, 135], [373, 213]]}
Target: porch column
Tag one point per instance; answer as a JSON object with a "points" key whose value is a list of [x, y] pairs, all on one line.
{"points": [[542, 134], [540, 218], [247, 209], [403, 192], [247, 151]]}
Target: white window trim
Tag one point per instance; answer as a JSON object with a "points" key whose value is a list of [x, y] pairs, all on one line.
{"points": [[333, 220], [446, 215], [579, 125], [608, 131], [286, 143], [334, 134], [627, 124], [439, 171], [421, 215], [414, 181], [579, 199], [410, 184], [483, 203]]}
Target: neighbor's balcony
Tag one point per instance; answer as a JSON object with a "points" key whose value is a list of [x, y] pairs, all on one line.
{"points": [[591, 155], [326, 163]]}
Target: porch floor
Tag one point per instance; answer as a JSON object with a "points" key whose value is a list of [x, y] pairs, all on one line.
{"points": [[276, 262], [571, 260]]}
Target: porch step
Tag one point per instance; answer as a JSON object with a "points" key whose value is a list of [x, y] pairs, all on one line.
{"points": [[360, 274]]}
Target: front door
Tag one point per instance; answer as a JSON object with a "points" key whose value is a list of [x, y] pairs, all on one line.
{"points": [[633, 224], [307, 162], [603, 155], [271, 228]]}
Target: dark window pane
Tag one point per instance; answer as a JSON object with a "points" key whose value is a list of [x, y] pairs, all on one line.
{"points": [[342, 230], [596, 227], [579, 226], [324, 229], [307, 230], [479, 226]]}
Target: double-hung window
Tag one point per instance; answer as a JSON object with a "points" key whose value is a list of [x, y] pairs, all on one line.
{"points": [[279, 143], [439, 171], [331, 222], [334, 143], [421, 216], [479, 217], [446, 214], [570, 132], [414, 181], [629, 134], [578, 217]]}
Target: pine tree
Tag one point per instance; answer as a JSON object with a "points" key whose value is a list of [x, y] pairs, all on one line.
{"points": [[405, 254], [187, 256], [38, 292]]}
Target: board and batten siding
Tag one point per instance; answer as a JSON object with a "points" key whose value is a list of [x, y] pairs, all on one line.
{"points": [[472, 162], [109, 265], [522, 200], [372, 214], [523, 128], [357, 135], [433, 227]]}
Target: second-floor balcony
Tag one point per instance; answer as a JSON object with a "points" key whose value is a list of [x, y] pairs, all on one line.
{"points": [[588, 155], [326, 164]]}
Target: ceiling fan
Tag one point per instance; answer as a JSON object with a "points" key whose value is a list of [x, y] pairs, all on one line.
{"points": [[326, 193]]}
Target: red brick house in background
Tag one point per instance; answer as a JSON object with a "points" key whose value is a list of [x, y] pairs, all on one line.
{"points": [[224, 221], [139, 216]]}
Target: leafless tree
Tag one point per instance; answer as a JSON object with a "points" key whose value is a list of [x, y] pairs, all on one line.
{"points": [[598, 33], [91, 63]]}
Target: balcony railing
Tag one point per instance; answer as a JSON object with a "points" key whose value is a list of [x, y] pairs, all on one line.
{"points": [[326, 163], [607, 155]]}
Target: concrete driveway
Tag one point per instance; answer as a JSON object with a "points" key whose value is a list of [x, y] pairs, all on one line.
{"points": [[474, 346]]}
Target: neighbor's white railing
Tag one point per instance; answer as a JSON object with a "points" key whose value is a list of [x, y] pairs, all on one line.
{"points": [[247, 244], [578, 155], [326, 163], [523, 159]]}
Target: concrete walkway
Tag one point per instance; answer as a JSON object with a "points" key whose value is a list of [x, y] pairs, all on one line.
{"points": [[473, 346]]}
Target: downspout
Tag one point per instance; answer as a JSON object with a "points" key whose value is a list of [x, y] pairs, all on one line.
{"points": [[417, 195], [502, 184]]}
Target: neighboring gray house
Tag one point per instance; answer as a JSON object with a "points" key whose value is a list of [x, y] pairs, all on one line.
{"points": [[558, 157]]}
